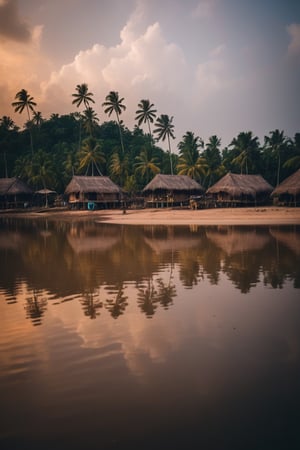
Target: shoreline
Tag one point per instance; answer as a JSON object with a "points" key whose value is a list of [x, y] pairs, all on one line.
{"points": [[269, 215]]}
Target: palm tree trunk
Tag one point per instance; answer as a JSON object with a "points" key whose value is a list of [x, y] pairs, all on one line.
{"points": [[120, 132], [30, 131], [278, 168], [170, 155]]}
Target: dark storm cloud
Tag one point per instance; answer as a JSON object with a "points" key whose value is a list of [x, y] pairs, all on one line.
{"points": [[11, 25]]}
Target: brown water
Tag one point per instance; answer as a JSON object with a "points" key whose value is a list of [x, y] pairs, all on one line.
{"points": [[143, 337]]}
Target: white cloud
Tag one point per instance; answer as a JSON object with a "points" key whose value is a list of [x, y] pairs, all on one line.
{"points": [[294, 45]]}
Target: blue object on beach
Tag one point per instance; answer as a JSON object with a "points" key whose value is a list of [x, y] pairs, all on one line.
{"points": [[91, 206]]}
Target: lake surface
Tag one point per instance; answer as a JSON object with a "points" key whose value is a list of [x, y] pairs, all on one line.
{"points": [[149, 337]]}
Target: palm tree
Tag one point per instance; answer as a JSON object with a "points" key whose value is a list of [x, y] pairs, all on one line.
{"points": [[212, 154], [276, 143], [114, 104], [146, 164], [90, 120], [294, 161], [91, 155], [164, 129], [119, 167], [25, 101], [190, 163], [7, 125], [41, 172], [146, 114], [82, 95], [247, 148], [37, 118]]}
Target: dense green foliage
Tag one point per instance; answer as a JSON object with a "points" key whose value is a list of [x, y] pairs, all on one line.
{"points": [[47, 152]]}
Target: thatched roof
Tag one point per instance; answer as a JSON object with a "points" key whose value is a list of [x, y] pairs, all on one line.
{"points": [[236, 185], [290, 185], [173, 183], [86, 184], [13, 186]]}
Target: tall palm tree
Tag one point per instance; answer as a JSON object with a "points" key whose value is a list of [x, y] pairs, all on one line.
{"points": [[82, 95], [146, 114], [164, 129], [25, 101], [91, 155], [190, 163], [276, 143], [115, 104], [247, 147]]}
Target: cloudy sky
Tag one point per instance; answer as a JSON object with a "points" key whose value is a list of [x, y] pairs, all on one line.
{"points": [[217, 66]]}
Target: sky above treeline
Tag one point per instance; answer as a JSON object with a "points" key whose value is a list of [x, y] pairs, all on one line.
{"points": [[217, 66]]}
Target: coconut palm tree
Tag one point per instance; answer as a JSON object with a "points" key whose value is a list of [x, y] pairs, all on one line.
{"points": [[293, 162], [247, 148], [146, 114], [276, 143], [6, 126], [82, 95], [37, 118], [190, 163], [25, 101], [119, 167], [89, 120], [91, 155], [146, 164], [115, 104], [164, 129], [212, 154]]}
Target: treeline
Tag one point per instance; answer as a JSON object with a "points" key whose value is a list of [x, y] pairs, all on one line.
{"points": [[48, 152]]}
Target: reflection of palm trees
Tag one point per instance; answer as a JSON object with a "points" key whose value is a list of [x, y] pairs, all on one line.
{"points": [[91, 305], [147, 299], [116, 306], [166, 292], [35, 308]]}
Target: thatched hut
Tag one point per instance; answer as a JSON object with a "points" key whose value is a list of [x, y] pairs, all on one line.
{"points": [[288, 192], [170, 190], [14, 193], [238, 190], [90, 192]]}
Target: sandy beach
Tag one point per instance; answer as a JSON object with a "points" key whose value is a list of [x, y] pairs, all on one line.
{"points": [[218, 216]]}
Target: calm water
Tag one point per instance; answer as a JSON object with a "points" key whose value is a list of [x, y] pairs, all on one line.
{"points": [[141, 337]]}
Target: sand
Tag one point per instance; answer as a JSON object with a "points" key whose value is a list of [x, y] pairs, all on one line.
{"points": [[168, 216]]}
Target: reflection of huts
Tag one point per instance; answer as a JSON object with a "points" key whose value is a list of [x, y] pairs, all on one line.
{"points": [[92, 243], [288, 192], [238, 190], [233, 240], [14, 193], [170, 190], [93, 192]]}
